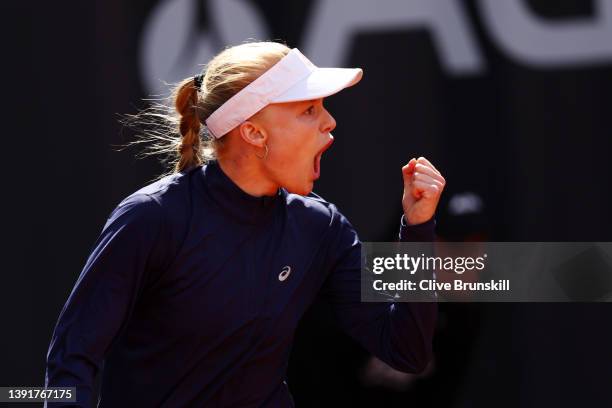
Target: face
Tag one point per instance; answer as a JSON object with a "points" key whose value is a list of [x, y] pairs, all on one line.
{"points": [[297, 135]]}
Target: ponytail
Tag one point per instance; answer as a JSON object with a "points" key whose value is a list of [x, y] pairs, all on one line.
{"points": [[189, 148]]}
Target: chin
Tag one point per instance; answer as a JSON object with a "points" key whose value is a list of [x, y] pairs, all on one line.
{"points": [[302, 190]]}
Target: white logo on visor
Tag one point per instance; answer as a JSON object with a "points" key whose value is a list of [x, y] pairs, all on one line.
{"points": [[284, 273]]}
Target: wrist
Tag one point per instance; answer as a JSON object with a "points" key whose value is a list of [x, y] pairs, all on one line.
{"points": [[405, 222], [424, 231]]}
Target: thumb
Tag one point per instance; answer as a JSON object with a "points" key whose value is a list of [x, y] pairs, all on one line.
{"points": [[408, 169]]}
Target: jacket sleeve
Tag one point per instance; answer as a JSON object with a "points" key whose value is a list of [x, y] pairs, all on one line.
{"points": [[103, 297], [400, 334]]}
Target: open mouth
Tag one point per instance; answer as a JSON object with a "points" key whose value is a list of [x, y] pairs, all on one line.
{"points": [[317, 159]]}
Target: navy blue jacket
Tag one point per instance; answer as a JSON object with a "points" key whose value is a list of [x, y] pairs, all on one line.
{"points": [[193, 291]]}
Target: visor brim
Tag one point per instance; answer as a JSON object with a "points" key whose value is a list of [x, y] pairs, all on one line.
{"points": [[322, 82]]}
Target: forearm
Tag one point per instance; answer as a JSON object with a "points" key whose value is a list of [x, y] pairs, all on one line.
{"points": [[412, 325]]}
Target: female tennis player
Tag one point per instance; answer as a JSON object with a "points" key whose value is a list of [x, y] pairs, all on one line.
{"points": [[192, 293]]}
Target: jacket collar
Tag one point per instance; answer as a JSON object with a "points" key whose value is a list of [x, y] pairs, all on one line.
{"points": [[233, 200]]}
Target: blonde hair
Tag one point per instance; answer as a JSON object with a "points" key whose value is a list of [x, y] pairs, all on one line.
{"points": [[177, 132]]}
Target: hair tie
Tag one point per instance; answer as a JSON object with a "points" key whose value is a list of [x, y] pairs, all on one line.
{"points": [[197, 81]]}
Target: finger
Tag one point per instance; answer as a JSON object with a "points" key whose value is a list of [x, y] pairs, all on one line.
{"points": [[425, 169], [427, 190], [408, 169], [427, 162], [428, 179]]}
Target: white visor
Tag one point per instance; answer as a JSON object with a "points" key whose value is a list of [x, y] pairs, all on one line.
{"points": [[294, 78]]}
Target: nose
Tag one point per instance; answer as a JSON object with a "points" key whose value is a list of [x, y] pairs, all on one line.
{"points": [[329, 123]]}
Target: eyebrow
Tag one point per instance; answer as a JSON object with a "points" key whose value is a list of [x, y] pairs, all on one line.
{"points": [[311, 101], [300, 105]]}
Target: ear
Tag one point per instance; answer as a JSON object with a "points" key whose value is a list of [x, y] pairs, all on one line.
{"points": [[252, 134]]}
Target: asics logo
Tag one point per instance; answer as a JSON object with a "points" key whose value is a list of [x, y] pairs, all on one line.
{"points": [[284, 273]]}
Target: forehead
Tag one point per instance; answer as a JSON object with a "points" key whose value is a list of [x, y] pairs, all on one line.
{"points": [[297, 104], [285, 108]]}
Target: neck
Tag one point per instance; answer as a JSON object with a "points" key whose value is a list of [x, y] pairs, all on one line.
{"points": [[248, 175]]}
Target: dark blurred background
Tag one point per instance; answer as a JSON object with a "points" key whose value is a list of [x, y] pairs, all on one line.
{"points": [[511, 100]]}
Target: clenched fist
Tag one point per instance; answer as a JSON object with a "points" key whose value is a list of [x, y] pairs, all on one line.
{"points": [[423, 185]]}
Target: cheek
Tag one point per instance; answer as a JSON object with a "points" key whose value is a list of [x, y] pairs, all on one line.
{"points": [[294, 148], [284, 155], [290, 165]]}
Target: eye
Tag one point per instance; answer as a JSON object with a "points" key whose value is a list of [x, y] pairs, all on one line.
{"points": [[310, 110]]}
